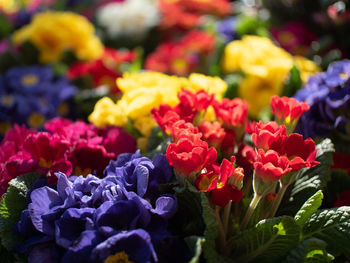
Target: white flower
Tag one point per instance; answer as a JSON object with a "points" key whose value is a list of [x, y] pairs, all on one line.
{"points": [[132, 18]]}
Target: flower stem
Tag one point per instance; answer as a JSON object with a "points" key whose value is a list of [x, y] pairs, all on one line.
{"points": [[226, 216], [255, 201], [222, 234], [277, 201]]}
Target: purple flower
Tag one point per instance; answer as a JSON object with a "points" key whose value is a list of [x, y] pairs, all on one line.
{"points": [[92, 220], [227, 29], [140, 174], [32, 94], [328, 95]]}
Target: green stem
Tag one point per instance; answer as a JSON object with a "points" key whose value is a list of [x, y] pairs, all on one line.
{"points": [[277, 201], [253, 204], [226, 216], [222, 235]]}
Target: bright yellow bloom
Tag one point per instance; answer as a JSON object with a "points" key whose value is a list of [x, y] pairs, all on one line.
{"points": [[144, 91], [266, 68], [55, 32]]}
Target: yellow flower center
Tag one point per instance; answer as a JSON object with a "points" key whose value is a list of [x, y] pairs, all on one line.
{"points": [[285, 38], [84, 172], [343, 75], [4, 127], [6, 100], [45, 163], [63, 109], [119, 257], [36, 120], [29, 80]]}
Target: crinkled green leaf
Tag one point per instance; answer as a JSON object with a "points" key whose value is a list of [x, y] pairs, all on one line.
{"points": [[269, 241], [12, 204], [310, 250], [308, 208], [331, 226], [310, 180]]}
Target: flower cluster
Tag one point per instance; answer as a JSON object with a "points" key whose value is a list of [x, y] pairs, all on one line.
{"points": [[183, 56], [117, 218], [71, 32], [328, 95], [190, 153], [129, 18], [186, 14], [105, 70], [144, 91], [266, 68], [75, 148], [31, 95]]}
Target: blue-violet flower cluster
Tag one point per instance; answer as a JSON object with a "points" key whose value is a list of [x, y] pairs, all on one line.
{"points": [[328, 95], [31, 95], [120, 217]]}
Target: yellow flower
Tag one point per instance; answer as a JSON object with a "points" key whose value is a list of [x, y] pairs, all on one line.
{"points": [[55, 32], [266, 68], [12, 6], [307, 67], [144, 91]]}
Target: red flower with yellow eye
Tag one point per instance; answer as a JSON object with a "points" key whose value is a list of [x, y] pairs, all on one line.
{"points": [[222, 182], [287, 110]]}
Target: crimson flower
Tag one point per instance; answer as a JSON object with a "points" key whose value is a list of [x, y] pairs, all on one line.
{"points": [[182, 129], [188, 156], [50, 153], [233, 113], [222, 182], [269, 135], [165, 116], [300, 152], [213, 133], [287, 110], [270, 166]]}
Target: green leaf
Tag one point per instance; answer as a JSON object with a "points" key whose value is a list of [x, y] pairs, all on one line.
{"points": [[310, 250], [310, 180], [195, 244], [12, 204], [293, 82], [333, 227], [308, 208], [232, 81], [269, 241]]}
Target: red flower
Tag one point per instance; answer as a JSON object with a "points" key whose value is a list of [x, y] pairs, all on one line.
{"points": [[228, 143], [343, 199], [13, 142], [116, 141], [189, 157], [245, 157], [213, 133], [87, 158], [182, 129], [105, 70], [165, 116], [50, 152], [287, 110], [301, 153], [270, 166], [220, 181], [341, 161], [233, 113], [15, 166], [191, 103], [269, 135]]}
